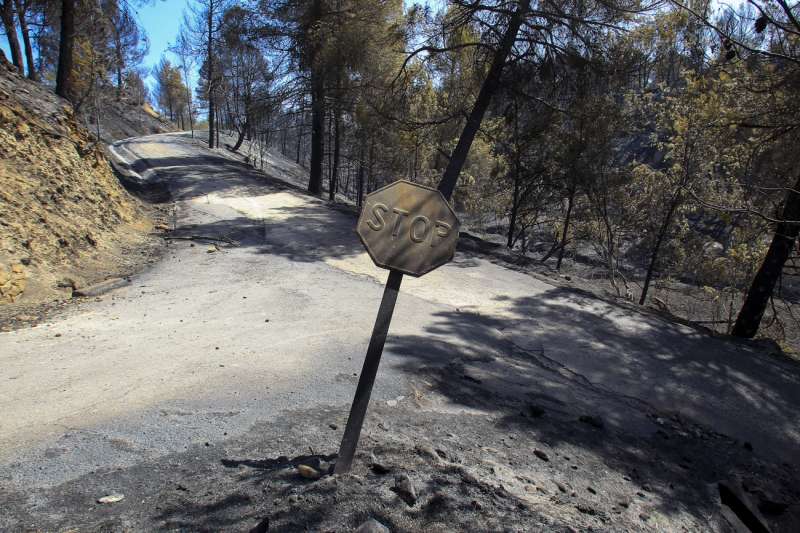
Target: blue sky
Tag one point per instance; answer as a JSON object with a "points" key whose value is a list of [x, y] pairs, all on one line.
{"points": [[161, 21]]}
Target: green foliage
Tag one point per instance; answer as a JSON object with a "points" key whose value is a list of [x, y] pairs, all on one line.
{"points": [[170, 92]]}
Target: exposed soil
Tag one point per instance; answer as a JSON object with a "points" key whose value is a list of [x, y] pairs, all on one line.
{"points": [[65, 220], [497, 466]]}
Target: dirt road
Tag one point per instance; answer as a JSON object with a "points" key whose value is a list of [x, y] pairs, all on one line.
{"points": [[214, 340]]}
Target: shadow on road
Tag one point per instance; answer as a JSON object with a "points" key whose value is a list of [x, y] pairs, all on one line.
{"points": [[672, 409], [193, 175], [312, 231], [303, 234]]}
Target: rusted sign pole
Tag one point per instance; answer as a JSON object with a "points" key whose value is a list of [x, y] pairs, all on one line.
{"points": [[373, 359], [419, 234]]}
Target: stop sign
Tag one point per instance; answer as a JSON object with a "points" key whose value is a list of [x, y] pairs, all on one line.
{"points": [[408, 227]]}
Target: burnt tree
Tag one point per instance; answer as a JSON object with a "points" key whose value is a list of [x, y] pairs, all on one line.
{"points": [[757, 299], [66, 48], [10, 27]]}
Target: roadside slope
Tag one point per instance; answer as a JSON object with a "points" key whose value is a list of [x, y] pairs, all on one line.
{"points": [[64, 218], [121, 119]]}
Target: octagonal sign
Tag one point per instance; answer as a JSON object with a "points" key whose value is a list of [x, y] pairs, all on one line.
{"points": [[408, 227]]}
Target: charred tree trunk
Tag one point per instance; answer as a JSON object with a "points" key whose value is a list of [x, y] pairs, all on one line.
{"points": [[329, 143], [189, 107], [26, 39], [337, 152], [370, 168], [119, 62], [512, 218], [317, 131], [553, 249], [612, 269], [755, 303], [216, 130], [515, 200], [10, 27], [210, 68], [240, 139], [360, 185], [211, 122], [119, 82], [567, 219], [657, 248], [66, 49], [416, 161], [317, 109], [299, 141]]}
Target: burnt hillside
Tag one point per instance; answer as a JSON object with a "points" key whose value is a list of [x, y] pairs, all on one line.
{"points": [[65, 221], [123, 118]]}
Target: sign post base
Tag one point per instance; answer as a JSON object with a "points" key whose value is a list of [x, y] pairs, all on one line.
{"points": [[367, 379]]}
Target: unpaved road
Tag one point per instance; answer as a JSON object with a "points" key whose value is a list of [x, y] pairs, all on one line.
{"points": [[206, 344]]}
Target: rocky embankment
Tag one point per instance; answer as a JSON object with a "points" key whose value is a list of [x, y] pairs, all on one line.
{"points": [[65, 221]]}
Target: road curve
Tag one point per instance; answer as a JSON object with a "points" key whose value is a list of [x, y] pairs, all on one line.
{"points": [[213, 339]]}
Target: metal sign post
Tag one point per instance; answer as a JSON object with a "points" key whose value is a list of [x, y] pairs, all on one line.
{"points": [[406, 228], [411, 229], [364, 389]]}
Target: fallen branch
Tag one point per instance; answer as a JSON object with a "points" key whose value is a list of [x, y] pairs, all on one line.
{"points": [[556, 247], [197, 238], [661, 304]]}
